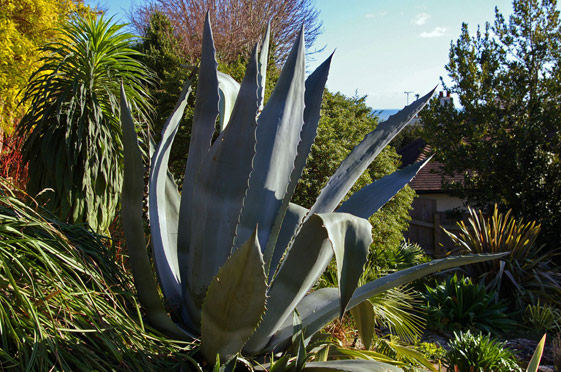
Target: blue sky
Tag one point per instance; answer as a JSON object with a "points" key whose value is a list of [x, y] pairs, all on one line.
{"points": [[383, 48]]}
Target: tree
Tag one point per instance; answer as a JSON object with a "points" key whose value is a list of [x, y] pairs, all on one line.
{"points": [[506, 139], [343, 124], [72, 128], [237, 25], [24, 27]]}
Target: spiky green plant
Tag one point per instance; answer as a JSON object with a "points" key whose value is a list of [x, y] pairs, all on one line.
{"points": [[477, 352], [72, 132], [235, 258], [457, 303], [66, 303], [526, 274]]}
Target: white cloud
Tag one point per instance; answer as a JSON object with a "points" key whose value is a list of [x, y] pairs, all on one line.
{"points": [[436, 32], [421, 18]]}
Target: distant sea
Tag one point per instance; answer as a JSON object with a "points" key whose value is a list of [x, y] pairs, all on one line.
{"points": [[384, 114]]}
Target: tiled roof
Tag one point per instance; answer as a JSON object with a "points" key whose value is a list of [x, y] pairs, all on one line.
{"points": [[428, 179]]}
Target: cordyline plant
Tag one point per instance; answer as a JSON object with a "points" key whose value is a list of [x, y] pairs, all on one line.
{"points": [[235, 258]]}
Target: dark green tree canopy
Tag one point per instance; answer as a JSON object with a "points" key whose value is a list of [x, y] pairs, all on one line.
{"points": [[505, 139]]}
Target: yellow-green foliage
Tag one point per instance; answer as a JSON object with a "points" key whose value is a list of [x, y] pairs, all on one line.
{"points": [[25, 25]]}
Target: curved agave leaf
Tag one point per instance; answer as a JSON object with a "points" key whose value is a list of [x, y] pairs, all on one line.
{"points": [[293, 218], [133, 228], [310, 254], [315, 86], [220, 188], [363, 314], [234, 303], [263, 61], [353, 365], [351, 246], [204, 120], [228, 89], [278, 135], [322, 306], [163, 206], [365, 202], [363, 154]]}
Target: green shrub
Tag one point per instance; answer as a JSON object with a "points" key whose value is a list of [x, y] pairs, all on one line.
{"points": [[388, 259], [478, 353], [431, 350], [457, 303]]}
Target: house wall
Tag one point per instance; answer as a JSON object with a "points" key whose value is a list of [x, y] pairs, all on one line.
{"points": [[444, 202]]}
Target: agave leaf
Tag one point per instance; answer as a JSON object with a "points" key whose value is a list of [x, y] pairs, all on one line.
{"points": [[341, 353], [363, 314], [353, 365], [228, 89], [133, 228], [173, 197], [278, 135], [163, 206], [411, 354], [322, 306], [263, 61], [298, 343], [304, 263], [315, 85], [234, 303], [365, 202], [310, 254], [350, 240], [294, 216], [534, 364], [220, 188], [363, 154], [204, 120]]}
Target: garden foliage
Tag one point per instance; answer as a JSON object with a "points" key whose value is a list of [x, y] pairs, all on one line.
{"points": [[66, 300], [233, 237], [72, 134], [505, 142]]}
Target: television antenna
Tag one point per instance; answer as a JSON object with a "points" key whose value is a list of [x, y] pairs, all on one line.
{"points": [[408, 92]]}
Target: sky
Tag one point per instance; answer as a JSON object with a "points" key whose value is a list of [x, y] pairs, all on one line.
{"points": [[383, 48]]}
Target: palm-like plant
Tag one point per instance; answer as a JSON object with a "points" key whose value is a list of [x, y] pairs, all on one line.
{"points": [[235, 258], [526, 273], [73, 137]]}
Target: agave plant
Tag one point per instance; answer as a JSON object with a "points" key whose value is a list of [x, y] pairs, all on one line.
{"points": [[235, 259]]}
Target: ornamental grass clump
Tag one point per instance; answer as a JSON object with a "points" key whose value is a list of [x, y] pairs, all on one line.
{"points": [[66, 304], [235, 258]]}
